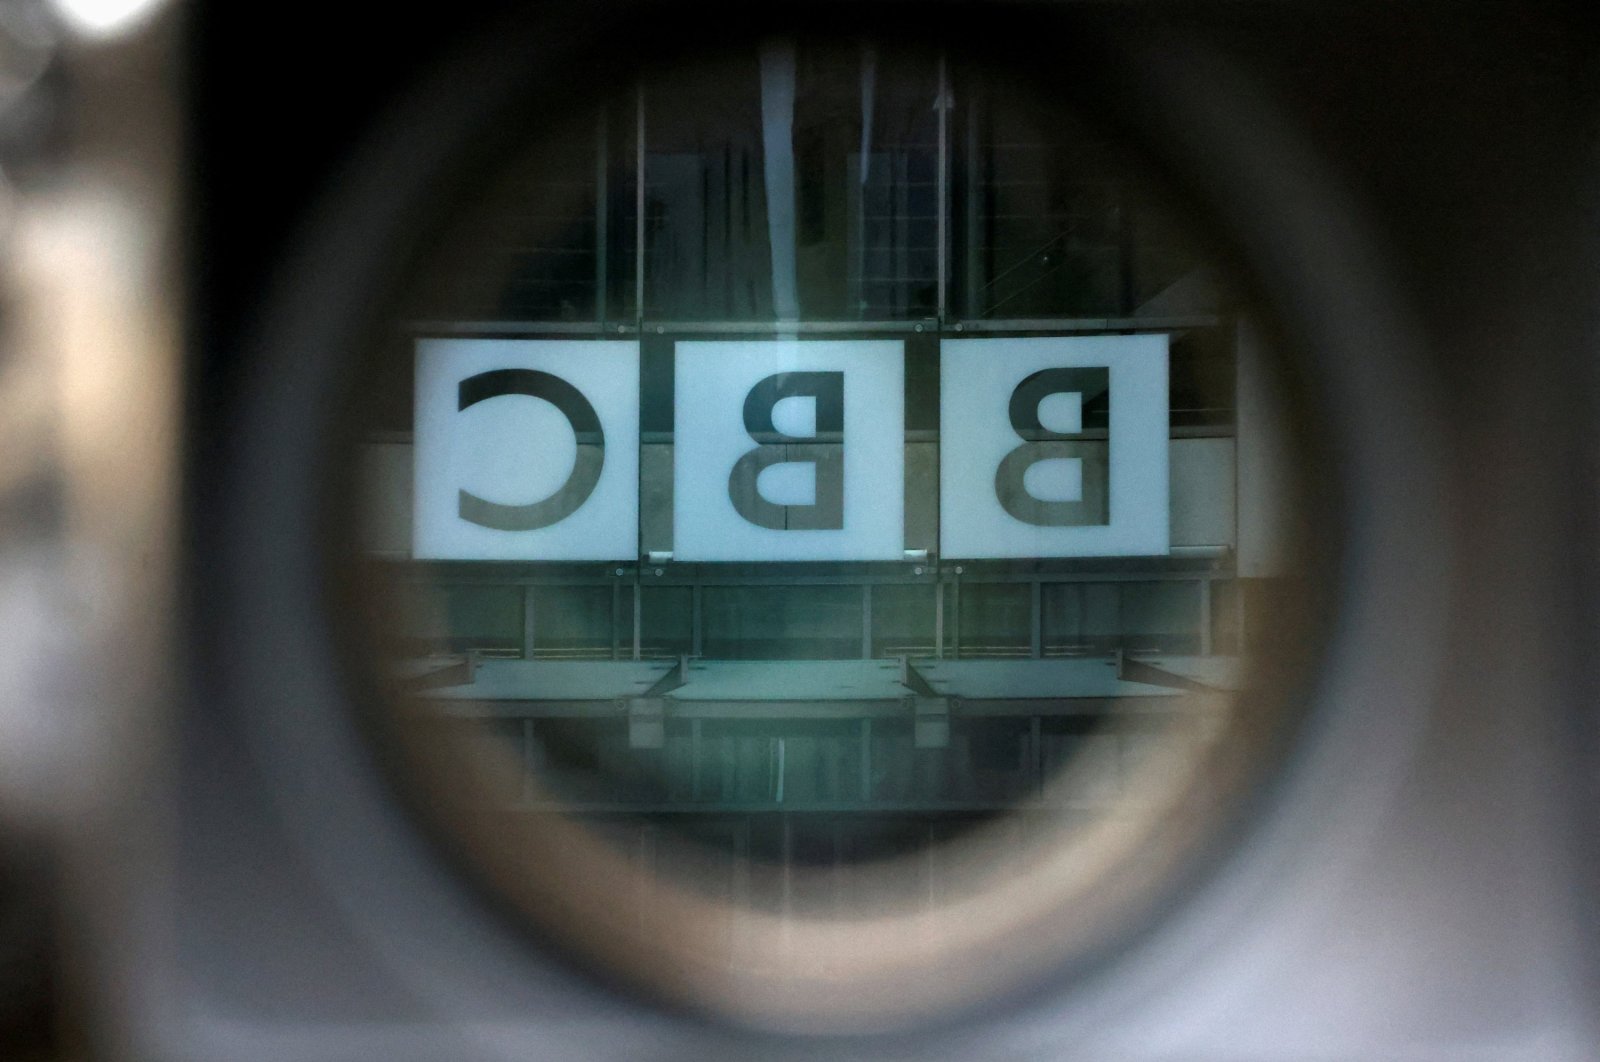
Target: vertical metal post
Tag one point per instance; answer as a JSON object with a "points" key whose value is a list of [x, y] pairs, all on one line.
{"points": [[1205, 616], [638, 616], [781, 768], [938, 620], [616, 620], [1035, 619], [866, 621], [944, 182], [695, 755], [527, 622], [638, 221], [530, 759], [955, 619], [974, 217], [696, 620], [1036, 756], [1080, 634], [866, 760], [602, 214], [858, 262]]}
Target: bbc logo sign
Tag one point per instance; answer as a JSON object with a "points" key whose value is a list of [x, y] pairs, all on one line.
{"points": [[791, 450], [1053, 447]]}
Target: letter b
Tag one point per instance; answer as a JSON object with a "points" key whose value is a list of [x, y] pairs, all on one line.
{"points": [[824, 451], [1092, 385]]}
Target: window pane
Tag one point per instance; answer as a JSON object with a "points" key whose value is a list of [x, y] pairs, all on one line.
{"points": [[572, 621], [799, 181], [903, 620], [782, 622], [995, 619], [1161, 617], [483, 618], [706, 249], [1047, 221], [666, 621]]}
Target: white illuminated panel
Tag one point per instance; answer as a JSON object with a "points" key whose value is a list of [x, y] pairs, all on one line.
{"points": [[1110, 498], [838, 498], [509, 465]]}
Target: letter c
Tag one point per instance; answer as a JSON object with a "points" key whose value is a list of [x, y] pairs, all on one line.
{"points": [[571, 495]]}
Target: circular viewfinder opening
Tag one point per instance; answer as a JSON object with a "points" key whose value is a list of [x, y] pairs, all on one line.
{"points": [[834, 535]]}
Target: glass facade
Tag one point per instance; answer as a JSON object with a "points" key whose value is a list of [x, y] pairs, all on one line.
{"points": [[833, 711]]}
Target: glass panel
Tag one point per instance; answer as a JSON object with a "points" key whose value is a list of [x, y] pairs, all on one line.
{"points": [[1044, 218], [544, 251], [551, 246], [1049, 222], [892, 179], [821, 763], [1061, 613], [666, 621], [741, 763], [706, 240], [1101, 615], [799, 181], [1161, 617], [782, 622], [762, 708], [995, 619], [619, 242], [903, 620], [572, 621], [1202, 368], [995, 758], [575, 754], [482, 619], [1087, 618]]}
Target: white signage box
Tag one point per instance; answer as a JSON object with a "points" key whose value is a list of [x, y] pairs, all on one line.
{"points": [[789, 450], [526, 450], [1053, 447]]}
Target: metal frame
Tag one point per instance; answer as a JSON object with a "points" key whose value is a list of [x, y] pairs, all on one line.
{"points": [[668, 327], [1032, 792], [947, 627], [946, 634], [942, 255], [943, 319]]}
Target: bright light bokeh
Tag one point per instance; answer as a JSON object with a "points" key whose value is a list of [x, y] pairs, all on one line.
{"points": [[105, 18]]}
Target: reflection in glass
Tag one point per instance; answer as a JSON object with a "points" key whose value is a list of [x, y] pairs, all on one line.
{"points": [[796, 182], [768, 749]]}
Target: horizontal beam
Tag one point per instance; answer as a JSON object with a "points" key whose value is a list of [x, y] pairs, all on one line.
{"points": [[601, 809], [913, 326], [1121, 708]]}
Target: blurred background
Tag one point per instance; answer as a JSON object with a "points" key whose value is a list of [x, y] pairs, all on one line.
{"points": [[163, 162]]}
